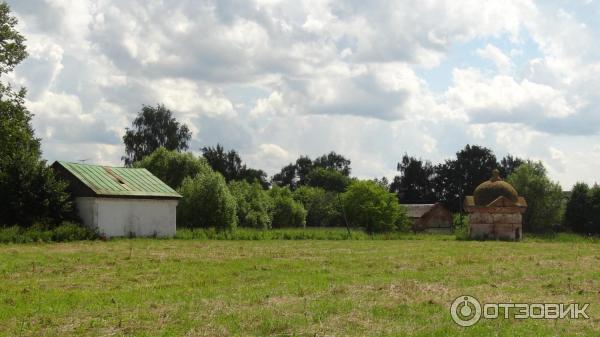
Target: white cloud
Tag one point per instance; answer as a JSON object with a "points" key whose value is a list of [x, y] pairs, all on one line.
{"points": [[276, 79], [492, 53]]}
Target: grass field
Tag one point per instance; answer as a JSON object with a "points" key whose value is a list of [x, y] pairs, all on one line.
{"points": [[146, 287]]}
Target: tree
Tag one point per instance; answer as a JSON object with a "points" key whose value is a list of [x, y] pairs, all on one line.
{"points": [[370, 206], [592, 226], [509, 164], [578, 209], [30, 192], [454, 179], [334, 161], [297, 174], [415, 183], [328, 179], [231, 166], [154, 127], [254, 205], [287, 176], [12, 43], [323, 208], [544, 197], [287, 212], [172, 167], [206, 203]]}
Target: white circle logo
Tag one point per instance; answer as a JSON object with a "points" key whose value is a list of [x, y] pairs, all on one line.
{"points": [[465, 310]]}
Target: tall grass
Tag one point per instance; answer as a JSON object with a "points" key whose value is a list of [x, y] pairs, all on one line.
{"points": [[300, 234], [67, 231]]}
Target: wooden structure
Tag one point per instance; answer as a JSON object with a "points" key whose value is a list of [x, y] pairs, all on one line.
{"points": [[119, 201], [429, 217], [495, 211]]}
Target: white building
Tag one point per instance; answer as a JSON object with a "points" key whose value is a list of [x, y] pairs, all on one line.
{"points": [[118, 201]]}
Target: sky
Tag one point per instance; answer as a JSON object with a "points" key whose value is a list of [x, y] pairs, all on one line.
{"points": [[274, 79]]}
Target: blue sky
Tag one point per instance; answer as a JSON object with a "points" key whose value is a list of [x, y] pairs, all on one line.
{"points": [[277, 79]]}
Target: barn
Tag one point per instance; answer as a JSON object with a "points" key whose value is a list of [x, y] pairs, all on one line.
{"points": [[118, 201], [429, 217]]}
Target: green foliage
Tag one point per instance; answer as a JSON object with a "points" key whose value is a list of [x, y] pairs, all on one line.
{"points": [[578, 209], [370, 206], [323, 207], [12, 43], [456, 178], [334, 161], [287, 212], [172, 167], [592, 226], [66, 231], [329, 233], [414, 185], [254, 205], [230, 165], [544, 198], [297, 174], [29, 190], [460, 226], [328, 179], [206, 202], [154, 127]]}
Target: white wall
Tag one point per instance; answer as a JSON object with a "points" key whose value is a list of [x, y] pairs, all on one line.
{"points": [[125, 216]]}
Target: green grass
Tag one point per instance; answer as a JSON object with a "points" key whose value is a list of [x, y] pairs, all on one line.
{"points": [[145, 287], [325, 233]]}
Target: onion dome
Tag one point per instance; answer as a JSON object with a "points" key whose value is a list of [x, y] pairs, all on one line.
{"points": [[490, 190]]}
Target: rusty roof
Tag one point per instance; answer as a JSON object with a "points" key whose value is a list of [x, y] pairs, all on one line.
{"points": [[119, 181]]}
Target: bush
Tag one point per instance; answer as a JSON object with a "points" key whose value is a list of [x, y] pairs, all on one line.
{"points": [[206, 202], [323, 208], [172, 167], [254, 205], [460, 226], [287, 212], [69, 231], [544, 198], [66, 231], [370, 206]]}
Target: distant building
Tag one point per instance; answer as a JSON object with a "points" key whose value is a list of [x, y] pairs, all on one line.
{"points": [[495, 210], [429, 217], [118, 201]]}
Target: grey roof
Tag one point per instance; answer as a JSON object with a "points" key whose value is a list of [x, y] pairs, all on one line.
{"points": [[418, 210]]}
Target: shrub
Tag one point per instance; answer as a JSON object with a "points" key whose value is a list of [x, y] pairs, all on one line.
{"points": [[69, 231], [460, 226], [66, 231], [172, 167], [370, 206], [323, 208], [206, 202], [254, 205], [287, 212]]}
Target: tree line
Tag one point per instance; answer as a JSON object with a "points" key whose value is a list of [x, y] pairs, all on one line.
{"points": [[220, 190]]}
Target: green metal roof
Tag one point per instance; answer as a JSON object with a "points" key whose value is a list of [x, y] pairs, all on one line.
{"points": [[120, 181]]}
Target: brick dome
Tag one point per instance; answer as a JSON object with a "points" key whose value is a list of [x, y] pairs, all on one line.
{"points": [[490, 190]]}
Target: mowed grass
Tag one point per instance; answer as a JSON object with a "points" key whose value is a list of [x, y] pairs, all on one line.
{"points": [[146, 287]]}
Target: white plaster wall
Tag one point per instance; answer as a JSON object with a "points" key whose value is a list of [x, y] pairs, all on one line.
{"points": [[88, 212], [125, 216]]}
